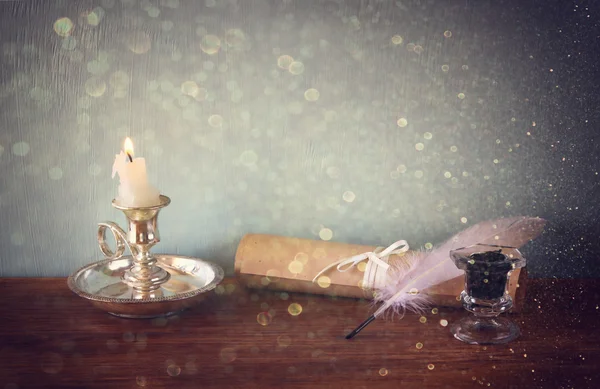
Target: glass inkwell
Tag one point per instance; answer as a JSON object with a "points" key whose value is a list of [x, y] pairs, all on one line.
{"points": [[487, 272]]}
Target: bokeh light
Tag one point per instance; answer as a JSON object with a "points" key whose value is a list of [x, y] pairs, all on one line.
{"points": [[63, 27], [211, 44], [324, 282], [263, 318], [326, 234], [295, 309], [285, 61]]}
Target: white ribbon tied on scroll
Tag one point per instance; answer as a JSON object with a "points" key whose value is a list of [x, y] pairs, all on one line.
{"points": [[376, 271]]}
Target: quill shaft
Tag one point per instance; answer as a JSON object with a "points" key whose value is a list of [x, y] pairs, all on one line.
{"points": [[360, 327]]}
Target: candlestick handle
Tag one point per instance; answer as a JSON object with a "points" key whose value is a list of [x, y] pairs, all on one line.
{"points": [[120, 239]]}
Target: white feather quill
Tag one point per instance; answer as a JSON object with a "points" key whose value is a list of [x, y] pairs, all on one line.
{"points": [[407, 283]]}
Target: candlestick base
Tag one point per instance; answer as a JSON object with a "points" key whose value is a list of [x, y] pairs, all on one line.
{"points": [[103, 284]]}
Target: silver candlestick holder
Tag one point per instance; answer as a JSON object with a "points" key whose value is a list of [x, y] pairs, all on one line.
{"points": [[142, 285]]}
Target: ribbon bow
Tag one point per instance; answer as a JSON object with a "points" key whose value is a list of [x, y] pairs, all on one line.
{"points": [[377, 259]]}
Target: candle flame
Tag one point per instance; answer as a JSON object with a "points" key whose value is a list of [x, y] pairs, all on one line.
{"points": [[128, 147]]}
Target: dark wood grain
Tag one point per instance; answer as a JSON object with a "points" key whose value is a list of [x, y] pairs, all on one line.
{"points": [[51, 338]]}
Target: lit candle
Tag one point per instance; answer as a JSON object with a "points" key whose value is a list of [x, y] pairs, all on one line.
{"points": [[134, 188]]}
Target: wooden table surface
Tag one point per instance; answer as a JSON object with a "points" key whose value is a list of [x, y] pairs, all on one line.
{"points": [[51, 338]]}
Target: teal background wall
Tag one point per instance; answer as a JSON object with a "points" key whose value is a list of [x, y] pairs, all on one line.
{"points": [[356, 121]]}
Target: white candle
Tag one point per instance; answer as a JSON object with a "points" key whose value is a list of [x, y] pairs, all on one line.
{"points": [[134, 188]]}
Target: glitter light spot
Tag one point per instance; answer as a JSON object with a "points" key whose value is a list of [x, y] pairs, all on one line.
{"points": [[294, 309], [443, 322], [296, 68], [173, 370], [227, 355], [423, 320], [189, 88], [435, 311], [248, 157], [431, 366], [55, 173], [324, 282], [445, 68], [419, 146], [325, 234], [349, 196], [428, 135], [20, 149], [95, 16], [139, 42], [295, 267], [428, 245], [362, 267], [311, 94], [413, 291], [401, 168], [447, 33], [463, 220], [447, 174], [419, 346], [95, 87], [284, 61], [301, 257], [263, 318], [235, 38], [402, 122], [383, 372], [119, 80], [63, 27], [284, 341], [461, 96], [211, 44], [454, 149], [215, 121], [397, 40]]}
